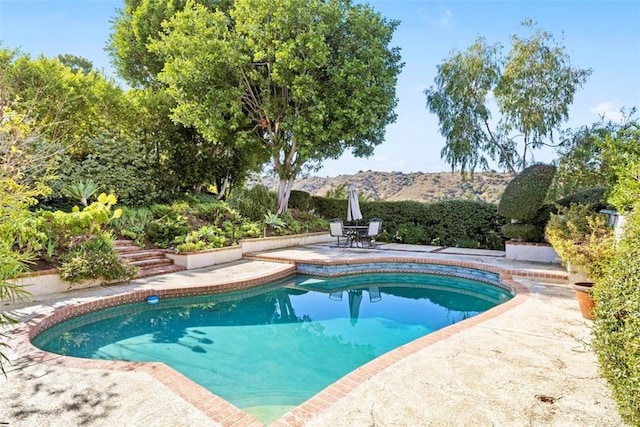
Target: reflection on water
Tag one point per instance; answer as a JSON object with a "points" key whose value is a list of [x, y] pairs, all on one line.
{"points": [[280, 344]]}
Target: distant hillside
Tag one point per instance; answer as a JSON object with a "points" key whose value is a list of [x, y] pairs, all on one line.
{"points": [[419, 187]]}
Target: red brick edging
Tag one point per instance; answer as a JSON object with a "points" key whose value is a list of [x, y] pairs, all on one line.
{"points": [[218, 409]]}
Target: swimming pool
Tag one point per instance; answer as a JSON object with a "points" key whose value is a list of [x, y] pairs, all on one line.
{"points": [[270, 348]]}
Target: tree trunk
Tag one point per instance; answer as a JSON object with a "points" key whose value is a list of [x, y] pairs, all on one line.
{"points": [[223, 189], [284, 191]]}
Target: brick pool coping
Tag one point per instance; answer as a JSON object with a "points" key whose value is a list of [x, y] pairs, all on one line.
{"points": [[218, 409]]}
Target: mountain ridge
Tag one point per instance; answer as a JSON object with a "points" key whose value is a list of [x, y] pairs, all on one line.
{"points": [[426, 187]]}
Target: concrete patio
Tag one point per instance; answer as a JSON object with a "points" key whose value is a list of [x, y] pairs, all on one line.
{"points": [[528, 365]]}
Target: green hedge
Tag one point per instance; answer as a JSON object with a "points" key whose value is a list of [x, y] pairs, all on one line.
{"points": [[617, 322], [523, 201], [454, 223]]}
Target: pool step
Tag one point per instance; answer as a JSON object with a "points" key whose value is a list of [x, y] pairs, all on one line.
{"points": [[151, 262]]}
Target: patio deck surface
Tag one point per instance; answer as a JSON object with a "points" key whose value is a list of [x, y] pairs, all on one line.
{"points": [[525, 363]]}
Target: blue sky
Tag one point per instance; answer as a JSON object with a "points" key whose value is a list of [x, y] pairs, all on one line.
{"points": [[603, 35]]}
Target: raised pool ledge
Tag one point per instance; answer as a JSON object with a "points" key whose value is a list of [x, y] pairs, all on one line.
{"points": [[482, 275]]}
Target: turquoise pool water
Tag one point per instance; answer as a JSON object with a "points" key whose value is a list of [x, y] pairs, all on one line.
{"points": [[270, 348]]}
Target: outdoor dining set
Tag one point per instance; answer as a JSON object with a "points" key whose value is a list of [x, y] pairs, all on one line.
{"points": [[355, 235]]}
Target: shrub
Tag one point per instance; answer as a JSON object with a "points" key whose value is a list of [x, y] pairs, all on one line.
{"points": [[582, 238], [411, 234], [593, 197], [523, 201], [253, 203], [216, 213], [207, 237], [163, 231], [118, 164], [133, 224], [465, 223], [65, 229], [300, 200], [95, 258], [617, 322]]}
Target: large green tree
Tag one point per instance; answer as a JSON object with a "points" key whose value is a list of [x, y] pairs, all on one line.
{"points": [[185, 159], [308, 79], [532, 86]]}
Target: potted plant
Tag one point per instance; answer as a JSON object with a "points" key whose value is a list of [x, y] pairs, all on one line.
{"points": [[585, 243]]}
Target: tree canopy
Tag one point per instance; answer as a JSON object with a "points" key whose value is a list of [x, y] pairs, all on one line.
{"points": [[533, 87], [307, 79]]}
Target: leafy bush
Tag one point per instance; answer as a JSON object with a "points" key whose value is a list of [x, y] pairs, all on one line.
{"points": [[162, 232], [526, 193], [116, 163], [216, 213], [617, 322], [411, 234], [582, 238], [95, 258], [523, 202], [65, 229], [593, 197], [133, 223], [206, 237], [253, 203], [300, 200], [234, 232], [291, 225]]}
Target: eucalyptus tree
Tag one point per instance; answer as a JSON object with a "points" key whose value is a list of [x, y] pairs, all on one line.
{"points": [[308, 79], [532, 86]]}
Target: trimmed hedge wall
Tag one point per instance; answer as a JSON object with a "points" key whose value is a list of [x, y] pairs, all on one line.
{"points": [[453, 223], [616, 325], [523, 201]]}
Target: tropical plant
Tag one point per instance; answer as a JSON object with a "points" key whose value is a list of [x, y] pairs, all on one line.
{"points": [[533, 91], [81, 191], [133, 224], [274, 221]]}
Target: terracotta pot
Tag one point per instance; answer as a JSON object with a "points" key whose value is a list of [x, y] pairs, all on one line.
{"points": [[585, 300]]}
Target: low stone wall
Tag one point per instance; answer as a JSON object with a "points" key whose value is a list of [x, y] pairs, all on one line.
{"points": [[49, 282], [536, 252], [206, 258]]}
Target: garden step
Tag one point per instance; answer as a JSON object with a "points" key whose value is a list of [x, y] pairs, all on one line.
{"points": [[151, 262], [165, 269], [141, 254], [127, 249]]}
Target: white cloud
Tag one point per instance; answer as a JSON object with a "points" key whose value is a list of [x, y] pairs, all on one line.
{"points": [[609, 110], [446, 17]]}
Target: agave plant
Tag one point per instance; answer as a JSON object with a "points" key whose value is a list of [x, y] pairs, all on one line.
{"points": [[274, 221], [81, 191]]}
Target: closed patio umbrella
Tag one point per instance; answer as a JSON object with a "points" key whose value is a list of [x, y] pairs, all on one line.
{"points": [[353, 206]]}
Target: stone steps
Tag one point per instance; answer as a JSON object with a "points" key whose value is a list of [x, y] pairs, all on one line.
{"points": [[151, 262]]}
